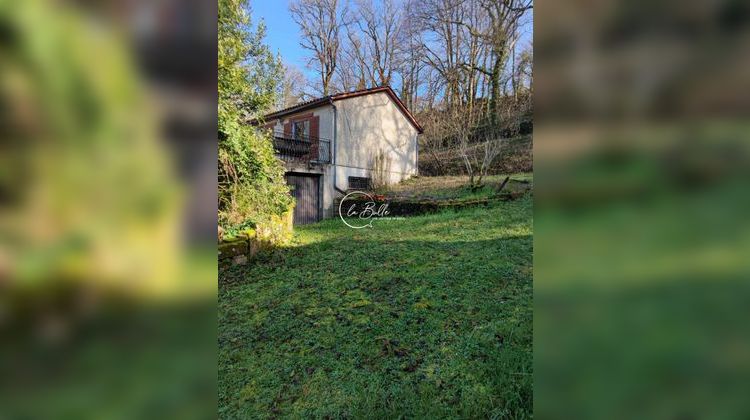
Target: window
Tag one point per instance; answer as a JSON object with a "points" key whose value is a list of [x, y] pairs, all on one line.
{"points": [[301, 130], [359, 183]]}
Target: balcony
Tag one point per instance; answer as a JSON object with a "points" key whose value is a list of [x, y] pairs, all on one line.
{"points": [[302, 149]]}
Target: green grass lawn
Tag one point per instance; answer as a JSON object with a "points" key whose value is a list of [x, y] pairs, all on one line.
{"points": [[423, 317]]}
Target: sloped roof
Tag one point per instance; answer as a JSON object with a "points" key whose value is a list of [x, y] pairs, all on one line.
{"points": [[315, 103]]}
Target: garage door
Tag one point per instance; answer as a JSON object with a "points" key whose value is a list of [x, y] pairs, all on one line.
{"points": [[305, 189]]}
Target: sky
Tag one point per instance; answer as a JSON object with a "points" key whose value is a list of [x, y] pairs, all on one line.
{"points": [[282, 33]]}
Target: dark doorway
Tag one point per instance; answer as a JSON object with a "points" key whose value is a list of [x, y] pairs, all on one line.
{"points": [[306, 192]]}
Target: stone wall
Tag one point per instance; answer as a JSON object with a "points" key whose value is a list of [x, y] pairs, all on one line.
{"points": [[244, 247]]}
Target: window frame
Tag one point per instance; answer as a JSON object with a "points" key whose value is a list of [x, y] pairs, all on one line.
{"points": [[360, 183], [305, 130]]}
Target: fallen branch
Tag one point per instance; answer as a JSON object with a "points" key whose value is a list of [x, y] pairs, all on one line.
{"points": [[500, 188]]}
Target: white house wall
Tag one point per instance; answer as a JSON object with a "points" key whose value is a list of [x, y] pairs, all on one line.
{"points": [[370, 124]]}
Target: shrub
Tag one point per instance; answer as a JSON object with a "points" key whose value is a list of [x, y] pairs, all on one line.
{"points": [[251, 178]]}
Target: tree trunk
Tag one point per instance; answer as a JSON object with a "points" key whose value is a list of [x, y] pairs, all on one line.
{"points": [[495, 88]]}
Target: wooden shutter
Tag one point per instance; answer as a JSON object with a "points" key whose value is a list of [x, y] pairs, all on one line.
{"points": [[315, 127], [314, 135]]}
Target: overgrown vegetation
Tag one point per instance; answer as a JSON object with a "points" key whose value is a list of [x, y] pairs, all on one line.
{"points": [[428, 316], [251, 179], [462, 141], [455, 187]]}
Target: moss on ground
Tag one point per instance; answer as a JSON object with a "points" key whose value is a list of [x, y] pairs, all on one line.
{"points": [[428, 316]]}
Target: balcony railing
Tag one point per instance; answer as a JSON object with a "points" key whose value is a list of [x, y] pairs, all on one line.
{"points": [[305, 149]]}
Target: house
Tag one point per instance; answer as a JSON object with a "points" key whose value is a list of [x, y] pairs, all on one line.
{"points": [[346, 141]]}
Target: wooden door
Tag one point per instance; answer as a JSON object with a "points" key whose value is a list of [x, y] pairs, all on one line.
{"points": [[306, 193]]}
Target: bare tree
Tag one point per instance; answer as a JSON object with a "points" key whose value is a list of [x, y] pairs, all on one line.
{"points": [[524, 68], [411, 63], [469, 43], [320, 23], [354, 73], [477, 147], [293, 87], [380, 28], [435, 150], [473, 51], [500, 35], [442, 39]]}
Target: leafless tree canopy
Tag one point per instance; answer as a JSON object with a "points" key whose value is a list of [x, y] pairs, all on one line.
{"points": [[294, 87], [449, 60], [320, 23]]}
